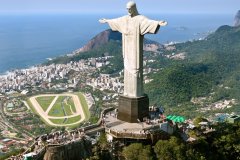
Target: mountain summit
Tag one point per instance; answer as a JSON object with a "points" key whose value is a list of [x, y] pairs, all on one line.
{"points": [[237, 19], [109, 35], [99, 40]]}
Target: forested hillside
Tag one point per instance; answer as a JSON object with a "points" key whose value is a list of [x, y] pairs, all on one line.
{"points": [[211, 70]]}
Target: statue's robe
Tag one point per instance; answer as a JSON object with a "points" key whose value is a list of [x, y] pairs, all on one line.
{"points": [[133, 30]]}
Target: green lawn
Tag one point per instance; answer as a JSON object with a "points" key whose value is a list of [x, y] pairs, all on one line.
{"points": [[68, 121], [67, 106], [57, 121], [84, 105], [71, 103], [73, 119], [44, 102], [56, 110]]}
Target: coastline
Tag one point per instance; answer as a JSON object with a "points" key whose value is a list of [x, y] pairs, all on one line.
{"points": [[31, 43]]}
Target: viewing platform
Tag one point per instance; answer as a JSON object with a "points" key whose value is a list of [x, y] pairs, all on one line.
{"points": [[149, 129]]}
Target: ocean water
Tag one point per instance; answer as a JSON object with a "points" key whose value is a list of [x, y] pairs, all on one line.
{"points": [[27, 40]]}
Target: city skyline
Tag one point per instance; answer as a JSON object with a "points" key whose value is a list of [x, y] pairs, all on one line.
{"points": [[117, 6]]}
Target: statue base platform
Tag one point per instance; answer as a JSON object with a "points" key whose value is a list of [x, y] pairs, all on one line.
{"points": [[133, 109]]}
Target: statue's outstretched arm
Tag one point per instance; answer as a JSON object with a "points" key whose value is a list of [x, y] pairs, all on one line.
{"points": [[163, 23], [115, 24]]}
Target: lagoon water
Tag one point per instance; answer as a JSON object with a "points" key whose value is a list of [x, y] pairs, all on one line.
{"points": [[27, 40]]}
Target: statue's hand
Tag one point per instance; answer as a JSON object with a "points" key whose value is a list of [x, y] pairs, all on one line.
{"points": [[163, 23], [103, 20]]}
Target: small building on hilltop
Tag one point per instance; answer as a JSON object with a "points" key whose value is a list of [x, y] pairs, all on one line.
{"points": [[233, 119]]}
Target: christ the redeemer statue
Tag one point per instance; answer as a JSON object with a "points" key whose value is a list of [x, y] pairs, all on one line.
{"points": [[133, 104], [133, 28]]}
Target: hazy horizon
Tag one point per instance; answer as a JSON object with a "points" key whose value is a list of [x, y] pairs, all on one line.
{"points": [[118, 6]]}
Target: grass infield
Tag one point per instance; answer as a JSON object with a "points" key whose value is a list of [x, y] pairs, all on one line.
{"points": [[45, 101], [66, 121], [64, 106]]}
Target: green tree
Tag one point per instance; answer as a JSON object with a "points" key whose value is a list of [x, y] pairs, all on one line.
{"points": [[226, 143], [172, 149], [102, 142], [101, 149], [198, 150], [192, 154], [137, 151]]}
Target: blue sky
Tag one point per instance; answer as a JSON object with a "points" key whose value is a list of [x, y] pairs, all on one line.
{"points": [[118, 6]]}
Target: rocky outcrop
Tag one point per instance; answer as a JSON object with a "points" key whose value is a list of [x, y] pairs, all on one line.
{"points": [[237, 19], [108, 35], [71, 151], [100, 39]]}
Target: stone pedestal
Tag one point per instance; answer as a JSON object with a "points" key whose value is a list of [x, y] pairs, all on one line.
{"points": [[132, 109]]}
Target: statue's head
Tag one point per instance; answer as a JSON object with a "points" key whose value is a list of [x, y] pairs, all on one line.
{"points": [[132, 8]]}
